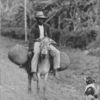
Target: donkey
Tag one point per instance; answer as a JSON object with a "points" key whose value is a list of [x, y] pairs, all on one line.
{"points": [[43, 67], [19, 56]]}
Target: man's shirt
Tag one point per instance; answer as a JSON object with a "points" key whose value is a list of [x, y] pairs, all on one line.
{"points": [[35, 34], [41, 28]]}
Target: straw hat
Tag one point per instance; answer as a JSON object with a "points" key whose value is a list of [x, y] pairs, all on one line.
{"points": [[40, 14]]}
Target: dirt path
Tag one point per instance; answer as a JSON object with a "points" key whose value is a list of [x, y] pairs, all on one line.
{"points": [[13, 81]]}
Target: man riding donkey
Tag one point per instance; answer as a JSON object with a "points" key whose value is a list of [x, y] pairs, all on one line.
{"points": [[39, 31]]}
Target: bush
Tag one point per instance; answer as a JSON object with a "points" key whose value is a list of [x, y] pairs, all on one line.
{"points": [[17, 33], [81, 39], [56, 34]]}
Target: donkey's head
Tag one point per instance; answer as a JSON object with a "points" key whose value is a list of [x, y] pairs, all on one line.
{"points": [[45, 46]]}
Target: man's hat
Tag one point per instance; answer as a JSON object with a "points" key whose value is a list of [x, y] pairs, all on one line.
{"points": [[40, 14]]}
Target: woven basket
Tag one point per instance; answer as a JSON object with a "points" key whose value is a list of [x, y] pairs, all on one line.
{"points": [[18, 54], [64, 61]]}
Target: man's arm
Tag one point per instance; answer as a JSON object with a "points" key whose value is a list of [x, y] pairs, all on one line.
{"points": [[49, 31], [31, 40]]}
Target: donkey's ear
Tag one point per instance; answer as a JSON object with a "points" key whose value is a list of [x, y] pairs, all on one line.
{"points": [[52, 41]]}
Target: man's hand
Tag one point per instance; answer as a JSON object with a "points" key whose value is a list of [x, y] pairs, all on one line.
{"points": [[38, 40], [30, 53]]}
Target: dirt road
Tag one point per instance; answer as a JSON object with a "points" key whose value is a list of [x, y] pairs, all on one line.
{"points": [[69, 85]]}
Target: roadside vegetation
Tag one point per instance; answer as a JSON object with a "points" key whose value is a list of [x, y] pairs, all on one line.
{"points": [[74, 23]]}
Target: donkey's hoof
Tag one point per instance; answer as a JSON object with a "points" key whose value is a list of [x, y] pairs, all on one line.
{"points": [[45, 99], [34, 77], [29, 90], [20, 66]]}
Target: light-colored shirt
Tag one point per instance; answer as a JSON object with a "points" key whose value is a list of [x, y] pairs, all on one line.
{"points": [[41, 28]]}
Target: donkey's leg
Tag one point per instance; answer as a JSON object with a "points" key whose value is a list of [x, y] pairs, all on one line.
{"points": [[38, 90], [45, 86], [38, 87], [29, 82]]}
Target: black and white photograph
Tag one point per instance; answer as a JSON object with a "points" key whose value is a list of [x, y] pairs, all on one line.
{"points": [[49, 49]]}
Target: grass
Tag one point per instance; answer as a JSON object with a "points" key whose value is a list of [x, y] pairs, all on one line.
{"points": [[70, 83]]}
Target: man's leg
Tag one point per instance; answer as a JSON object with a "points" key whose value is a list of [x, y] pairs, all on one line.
{"points": [[36, 56], [56, 55]]}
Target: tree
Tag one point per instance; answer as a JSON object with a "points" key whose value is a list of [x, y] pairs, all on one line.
{"points": [[25, 18]]}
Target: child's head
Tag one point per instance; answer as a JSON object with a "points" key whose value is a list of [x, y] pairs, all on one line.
{"points": [[89, 80]]}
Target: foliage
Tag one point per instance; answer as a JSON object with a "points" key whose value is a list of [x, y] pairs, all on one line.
{"points": [[80, 39], [68, 19], [77, 17], [77, 12], [14, 32]]}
